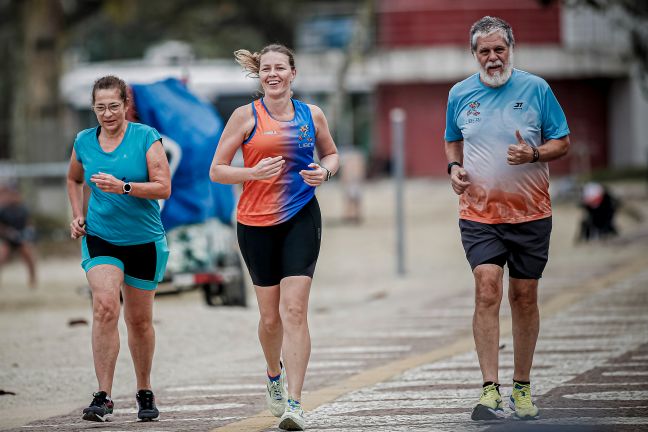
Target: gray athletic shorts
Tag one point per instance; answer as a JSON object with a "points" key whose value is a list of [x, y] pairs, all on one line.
{"points": [[523, 246]]}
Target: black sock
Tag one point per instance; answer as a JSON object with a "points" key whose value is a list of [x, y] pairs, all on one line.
{"points": [[487, 383], [522, 382]]}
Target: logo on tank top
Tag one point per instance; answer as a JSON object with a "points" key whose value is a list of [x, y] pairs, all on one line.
{"points": [[304, 137], [518, 105], [472, 113]]}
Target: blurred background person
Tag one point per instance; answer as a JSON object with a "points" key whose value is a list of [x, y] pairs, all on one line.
{"points": [[600, 208], [279, 220], [16, 231], [124, 248]]}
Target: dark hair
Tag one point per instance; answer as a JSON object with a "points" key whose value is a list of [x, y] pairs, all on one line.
{"points": [[251, 62], [488, 25], [110, 82]]}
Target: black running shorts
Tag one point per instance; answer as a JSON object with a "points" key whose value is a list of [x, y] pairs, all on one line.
{"points": [[523, 246], [291, 248], [143, 264]]}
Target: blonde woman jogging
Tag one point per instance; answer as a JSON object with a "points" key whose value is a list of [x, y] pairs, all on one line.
{"points": [[279, 224]]}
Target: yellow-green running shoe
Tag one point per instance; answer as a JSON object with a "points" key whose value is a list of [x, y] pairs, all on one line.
{"points": [[521, 403], [490, 406]]}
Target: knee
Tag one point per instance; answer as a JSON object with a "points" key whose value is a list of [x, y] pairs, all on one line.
{"points": [[488, 294], [293, 315], [270, 323], [105, 311], [138, 323], [523, 299]]}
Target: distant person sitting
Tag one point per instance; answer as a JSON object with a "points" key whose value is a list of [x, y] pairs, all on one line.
{"points": [[16, 232], [600, 207]]}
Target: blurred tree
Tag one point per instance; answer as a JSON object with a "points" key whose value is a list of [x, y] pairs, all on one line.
{"points": [[34, 34], [8, 37], [213, 28], [31, 41]]}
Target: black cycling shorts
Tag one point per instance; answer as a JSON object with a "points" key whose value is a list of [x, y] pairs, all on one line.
{"points": [[143, 264], [290, 248], [524, 247]]}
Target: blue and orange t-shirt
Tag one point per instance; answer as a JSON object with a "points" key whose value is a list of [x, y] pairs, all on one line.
{"points": [[486, 119], [275, 200]]}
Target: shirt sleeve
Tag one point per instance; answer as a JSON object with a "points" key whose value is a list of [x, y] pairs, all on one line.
{"points": [[151, 136], [554, 122], [77, 150], [452, 131]]}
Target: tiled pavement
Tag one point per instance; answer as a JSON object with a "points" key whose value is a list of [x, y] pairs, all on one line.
{"points": [[590, 373]]}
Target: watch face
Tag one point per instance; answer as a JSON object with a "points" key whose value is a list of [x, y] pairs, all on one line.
{"points": [[127, 187]]}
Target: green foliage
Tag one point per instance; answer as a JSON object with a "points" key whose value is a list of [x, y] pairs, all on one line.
{"points": [[215, 28]]}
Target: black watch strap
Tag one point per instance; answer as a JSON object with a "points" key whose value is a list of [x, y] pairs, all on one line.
{"points": [[328, 173], [451, 164]]}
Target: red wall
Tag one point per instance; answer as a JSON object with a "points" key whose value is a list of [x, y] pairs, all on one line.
{"points": [[441, 22], [584, 103]]}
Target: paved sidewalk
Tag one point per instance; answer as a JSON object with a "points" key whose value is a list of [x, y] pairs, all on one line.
{"points": [[388, 353], [590, 373]]}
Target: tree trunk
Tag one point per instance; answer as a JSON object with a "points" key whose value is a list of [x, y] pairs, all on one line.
{"points": [[36, 123]]}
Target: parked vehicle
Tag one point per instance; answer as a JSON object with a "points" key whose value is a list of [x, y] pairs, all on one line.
{"points": [[205, 256], [198, 215]]}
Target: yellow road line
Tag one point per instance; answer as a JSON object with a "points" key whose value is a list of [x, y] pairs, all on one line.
{"points": [[464, 342]]}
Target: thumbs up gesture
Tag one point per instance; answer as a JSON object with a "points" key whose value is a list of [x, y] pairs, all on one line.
{"points": [[521, 152]]}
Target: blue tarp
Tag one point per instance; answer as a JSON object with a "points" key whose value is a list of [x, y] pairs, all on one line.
{"points": [[190, 131]]}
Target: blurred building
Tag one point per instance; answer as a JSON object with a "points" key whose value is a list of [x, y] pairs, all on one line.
{"points": [[417, 50], [423, 49]]}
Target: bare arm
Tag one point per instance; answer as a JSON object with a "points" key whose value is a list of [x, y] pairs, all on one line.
{"points": [[75, 195], [237, 129], [326, 150], [158, 186], [458, 175]]}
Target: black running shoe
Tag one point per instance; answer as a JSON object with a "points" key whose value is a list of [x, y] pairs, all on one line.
{"points": [[100, 409], [146, 409]]}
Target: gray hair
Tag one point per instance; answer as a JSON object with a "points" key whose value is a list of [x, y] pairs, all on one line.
{"points": [[488, 25]]}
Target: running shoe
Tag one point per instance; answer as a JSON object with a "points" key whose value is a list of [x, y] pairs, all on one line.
{"points": [[100, 409], [277, 395], [293, 418], [521, 403], [490, 406], [146, 409]]}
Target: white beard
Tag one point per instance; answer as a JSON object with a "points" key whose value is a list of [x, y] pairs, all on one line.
{"points": [[497, 79]]}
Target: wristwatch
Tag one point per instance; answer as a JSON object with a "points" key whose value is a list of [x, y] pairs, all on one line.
{"points": [[127, 188], [451, 164]]}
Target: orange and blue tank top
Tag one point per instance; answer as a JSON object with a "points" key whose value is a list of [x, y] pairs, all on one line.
{"points": [[275, 200]]}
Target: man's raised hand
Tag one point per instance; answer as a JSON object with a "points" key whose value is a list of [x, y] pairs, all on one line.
{"points": [[519, 153]]}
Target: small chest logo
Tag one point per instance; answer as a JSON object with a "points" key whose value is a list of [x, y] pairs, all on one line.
{"points": [[472, 110], [518, 105], [304, 137]]}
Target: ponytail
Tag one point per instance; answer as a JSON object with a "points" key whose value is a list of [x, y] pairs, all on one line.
{"points": [[251, 62]]}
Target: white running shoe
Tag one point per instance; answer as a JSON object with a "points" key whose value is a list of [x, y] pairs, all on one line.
{"points": [[277, 394], [293, 418]]}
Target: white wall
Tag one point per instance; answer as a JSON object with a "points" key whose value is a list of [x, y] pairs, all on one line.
{"points": [[628, 124]]}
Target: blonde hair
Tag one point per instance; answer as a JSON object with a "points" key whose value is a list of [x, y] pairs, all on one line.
{"points": [[251, 62]]}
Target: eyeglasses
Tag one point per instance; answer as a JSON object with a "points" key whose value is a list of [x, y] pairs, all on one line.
{"points": [[101, 109]]}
